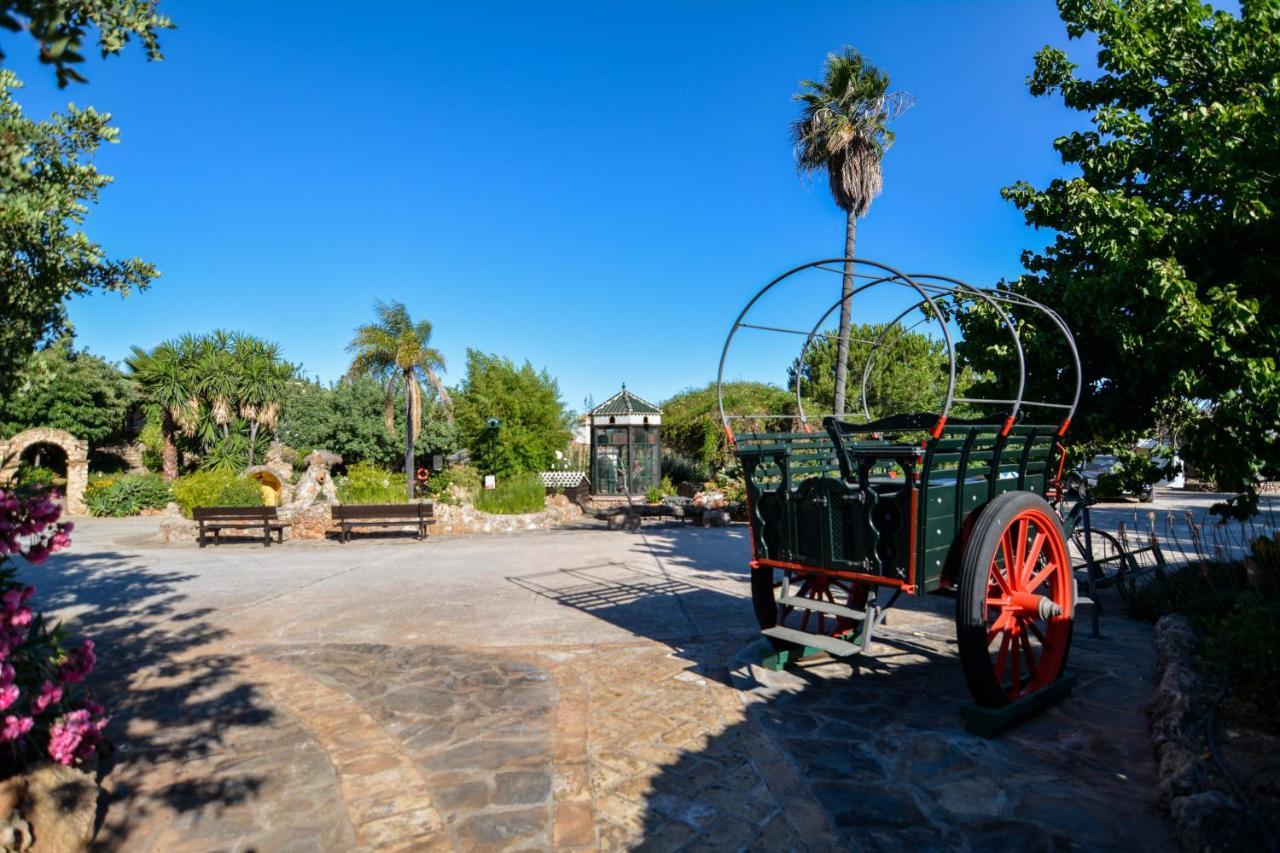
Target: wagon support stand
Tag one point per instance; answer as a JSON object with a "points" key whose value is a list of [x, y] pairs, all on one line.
{"points": [[915, 503]]}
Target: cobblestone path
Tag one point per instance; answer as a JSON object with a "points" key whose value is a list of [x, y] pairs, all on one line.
{"points": [[353, 725]]}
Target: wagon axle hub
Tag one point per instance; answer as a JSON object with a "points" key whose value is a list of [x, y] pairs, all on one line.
{"points": [[1036, 605]]}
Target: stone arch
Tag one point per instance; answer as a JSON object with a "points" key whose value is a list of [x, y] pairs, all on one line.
{"points": [[76, 449]]}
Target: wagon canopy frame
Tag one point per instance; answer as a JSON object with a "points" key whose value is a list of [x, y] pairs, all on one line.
{"points": [[940, 297]]}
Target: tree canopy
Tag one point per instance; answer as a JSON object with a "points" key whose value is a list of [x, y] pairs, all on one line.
{"points": [[1166, 240], [71, 390], [691, 419], [534, 422], [347, 418], [47, 183], [908, 374], [61, 26]]}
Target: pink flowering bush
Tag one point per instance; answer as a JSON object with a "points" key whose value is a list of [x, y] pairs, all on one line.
{"points": [[45, 707]]}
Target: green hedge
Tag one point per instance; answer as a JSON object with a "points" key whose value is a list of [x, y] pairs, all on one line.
{"points": [[215, 488], [117, 496]]}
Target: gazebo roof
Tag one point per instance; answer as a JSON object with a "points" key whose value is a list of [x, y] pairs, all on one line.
{"points": [[625, 403]]}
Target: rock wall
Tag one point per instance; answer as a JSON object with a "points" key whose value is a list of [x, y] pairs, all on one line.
{"points": [[463, 519]]}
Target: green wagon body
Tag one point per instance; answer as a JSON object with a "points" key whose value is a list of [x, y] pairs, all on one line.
{"points": [[845, 519], [888, 510]]}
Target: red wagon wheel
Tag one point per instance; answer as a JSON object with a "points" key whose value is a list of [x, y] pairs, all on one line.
{"points": [[814, 586], [1016, 601]]}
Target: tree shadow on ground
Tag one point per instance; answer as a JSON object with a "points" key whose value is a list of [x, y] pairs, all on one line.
{"points": [[869, 753], [173, 698]]}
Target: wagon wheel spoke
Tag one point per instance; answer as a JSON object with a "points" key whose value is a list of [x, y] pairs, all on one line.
{"points": [[998, 628], [1018, 574], [1017, 664], [1033, 557], [1036, 630], [1002, 657], [1032, 673], [1001, 580], [1035, 582]]}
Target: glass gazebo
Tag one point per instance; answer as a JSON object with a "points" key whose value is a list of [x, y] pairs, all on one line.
{"points": [[626, 445]]}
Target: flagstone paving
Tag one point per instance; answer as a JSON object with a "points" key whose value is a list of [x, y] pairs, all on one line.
{"points": [[574, 689]]}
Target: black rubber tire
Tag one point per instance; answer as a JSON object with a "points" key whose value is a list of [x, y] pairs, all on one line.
{"points": [[1147, 495], [971, 606], [763, 598]]}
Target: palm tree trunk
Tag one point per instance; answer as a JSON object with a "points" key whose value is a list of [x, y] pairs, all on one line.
{"points": [[408, 436], [253, 440], [169, 455], [846, 305]]}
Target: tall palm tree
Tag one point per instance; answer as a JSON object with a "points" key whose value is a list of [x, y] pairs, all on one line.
{"points": [[163, 378], [843, 129], [397, 350]]}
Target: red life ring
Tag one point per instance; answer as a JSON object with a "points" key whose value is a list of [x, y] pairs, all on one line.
{"points": [[423, 475]]}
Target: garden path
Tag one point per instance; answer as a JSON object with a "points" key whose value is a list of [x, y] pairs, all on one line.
{"points": [[563, 689]]}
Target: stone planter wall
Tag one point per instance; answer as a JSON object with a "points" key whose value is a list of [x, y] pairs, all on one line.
{"points": [[462, 519], [450, 520]]}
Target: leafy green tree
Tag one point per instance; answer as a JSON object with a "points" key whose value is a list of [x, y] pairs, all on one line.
{"points": [[1167, 238], [534, 423], [61, 26], [397, 351], [908, 374], [691, 424], [843, 131], [74, 391], [48, 181], [47, 185], [347, 418]]}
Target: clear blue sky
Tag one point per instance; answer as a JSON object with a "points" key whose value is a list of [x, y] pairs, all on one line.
{"points": [[594, 187]]}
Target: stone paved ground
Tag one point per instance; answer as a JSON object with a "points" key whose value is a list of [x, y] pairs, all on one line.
{"points": [[575, 689]]}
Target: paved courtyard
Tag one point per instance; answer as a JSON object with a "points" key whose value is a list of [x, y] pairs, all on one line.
{"points": [[571, 689]]}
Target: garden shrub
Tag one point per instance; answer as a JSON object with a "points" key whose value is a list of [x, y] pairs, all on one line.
{"points": [[127, 495], [683, 469], [464, 477], [1203, 590], [515, 494], [35, 475], [653, 495], [47, 710], [1242, 645], [366, 483], [215, 488]]}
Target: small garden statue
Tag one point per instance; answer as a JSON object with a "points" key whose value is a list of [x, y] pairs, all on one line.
{"points": [[316, 483]]}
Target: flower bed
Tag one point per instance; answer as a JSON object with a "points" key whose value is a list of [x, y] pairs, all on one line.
{"points": [[46, 710]]}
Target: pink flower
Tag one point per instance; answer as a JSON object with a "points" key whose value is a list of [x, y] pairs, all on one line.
{"points": [[8, 695], [15, 727], [74, 736], [50, 694], [79, 663]]}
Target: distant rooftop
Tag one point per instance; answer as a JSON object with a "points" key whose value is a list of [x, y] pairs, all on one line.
{"points": [[625, 403]]}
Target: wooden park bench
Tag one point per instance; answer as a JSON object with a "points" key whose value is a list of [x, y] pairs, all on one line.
{"points": [[216, 519], [350, 516]]}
